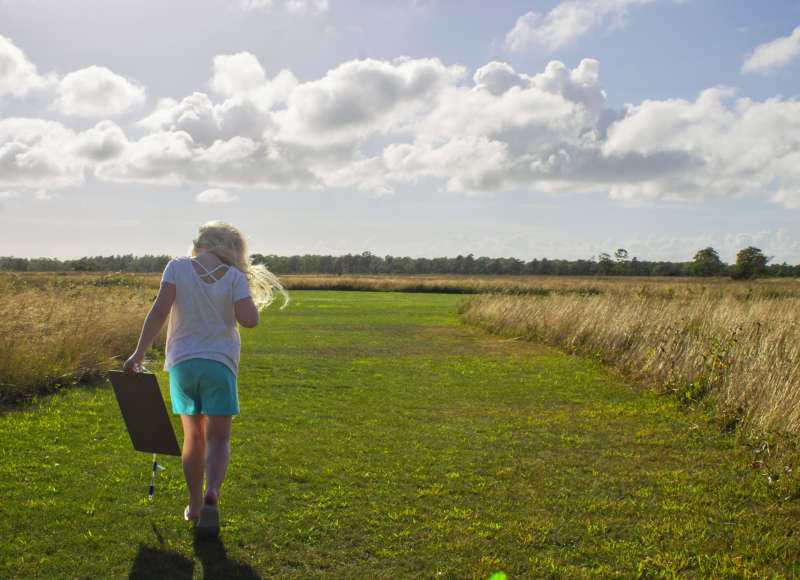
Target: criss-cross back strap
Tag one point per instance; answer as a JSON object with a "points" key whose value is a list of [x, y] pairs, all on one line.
{"points": [[207, 271]]}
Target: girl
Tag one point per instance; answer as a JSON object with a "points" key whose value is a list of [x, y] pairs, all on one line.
{"points": [[204, 296]]}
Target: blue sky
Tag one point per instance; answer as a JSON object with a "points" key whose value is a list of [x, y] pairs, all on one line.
{"points": [[558, 129]]}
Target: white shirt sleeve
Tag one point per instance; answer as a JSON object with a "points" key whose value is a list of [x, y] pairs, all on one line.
{"points": [[169, 273], [240, 287]]}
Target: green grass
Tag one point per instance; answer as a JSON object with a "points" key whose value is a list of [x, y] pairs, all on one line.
{"points": [[381, 438]]}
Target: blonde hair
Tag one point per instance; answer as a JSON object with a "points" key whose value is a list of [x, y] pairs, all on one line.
{"points": [[227, 243]]}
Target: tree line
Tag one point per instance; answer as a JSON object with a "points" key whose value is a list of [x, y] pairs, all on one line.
{"points": [[750, 263], [126, 263]]}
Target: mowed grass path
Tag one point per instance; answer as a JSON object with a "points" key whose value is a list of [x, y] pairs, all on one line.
{"points": [[381, 438]]}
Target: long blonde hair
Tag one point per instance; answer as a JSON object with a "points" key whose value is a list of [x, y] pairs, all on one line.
{"points": [[227, 243]]}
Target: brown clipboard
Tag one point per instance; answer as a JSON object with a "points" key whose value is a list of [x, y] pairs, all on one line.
{"points": [[144, 412]]}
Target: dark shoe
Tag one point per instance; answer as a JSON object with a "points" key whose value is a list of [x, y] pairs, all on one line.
{"points": [[208, 522]]}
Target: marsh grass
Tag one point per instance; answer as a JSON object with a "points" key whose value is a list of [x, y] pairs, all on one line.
{"points": [[738, 342], [61, 330], [547, 285], [439, 284]]}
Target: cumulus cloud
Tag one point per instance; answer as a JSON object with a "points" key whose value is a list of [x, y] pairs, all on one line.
{"points": [[18, 75], [737, 146], [241, 75], [373, 125], [550, 131], [247, 108], [566, 22], [216, 195], [174, 157], [96, 91], [297, 7], [770, 56], [102, 142], [45, 155], [37, 153], [364, 96]]}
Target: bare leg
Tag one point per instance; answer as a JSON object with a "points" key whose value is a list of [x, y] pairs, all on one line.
{"points": [[218, 454], [193, 459]]}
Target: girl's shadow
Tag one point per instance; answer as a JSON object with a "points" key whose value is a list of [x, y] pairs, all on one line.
{"points": [[211, 552], [156, 563]]}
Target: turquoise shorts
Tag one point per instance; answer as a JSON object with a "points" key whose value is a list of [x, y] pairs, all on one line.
{"points": [[200, 386]]}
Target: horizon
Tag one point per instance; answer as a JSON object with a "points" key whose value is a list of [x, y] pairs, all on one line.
{"points": [[559, 129], [770, 259]]}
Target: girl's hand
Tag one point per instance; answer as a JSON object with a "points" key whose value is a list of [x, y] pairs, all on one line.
{"points": [[133, 364]]}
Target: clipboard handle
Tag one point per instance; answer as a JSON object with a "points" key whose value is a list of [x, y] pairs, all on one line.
{"points": [[139, 368]]}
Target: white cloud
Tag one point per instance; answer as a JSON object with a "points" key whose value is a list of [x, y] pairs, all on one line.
{"points": [[241, 75], [96, 91], [566, 22], [194, 115], [45, 195], [730, 147], [770, 56], [237, 73], [8, 194], [216, 195], [506, 130], [102, 142], [297, 7], [361, 97], [371, 125], [247, 110], [173, 157], [18, 75], [162, 157], [37, 153]]}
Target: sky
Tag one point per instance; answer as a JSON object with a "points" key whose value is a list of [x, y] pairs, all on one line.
{"points": [[557, 129]]}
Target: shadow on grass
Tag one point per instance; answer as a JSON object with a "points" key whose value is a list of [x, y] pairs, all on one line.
{"points": [[155, 563], [216, 566]]}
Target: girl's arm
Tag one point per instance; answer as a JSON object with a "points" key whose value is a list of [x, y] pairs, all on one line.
{"points": [[246, 312], [152, 325]]}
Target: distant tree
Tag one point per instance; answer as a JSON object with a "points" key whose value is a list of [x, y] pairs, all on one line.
{"points": [[621, 258], [85, 265], [604, 264], [667, 269], [14, 264], [750, 262], [706, 262], [783, 270]]}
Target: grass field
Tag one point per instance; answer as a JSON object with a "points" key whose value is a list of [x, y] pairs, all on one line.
{"points": [[382, 438], [738, 343]]}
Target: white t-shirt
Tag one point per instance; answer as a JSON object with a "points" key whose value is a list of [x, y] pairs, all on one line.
{"points": [[202, 323]]}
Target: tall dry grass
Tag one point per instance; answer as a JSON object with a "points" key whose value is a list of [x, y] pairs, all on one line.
{"points": [[57, 330], [441, 283], [739, 342]]}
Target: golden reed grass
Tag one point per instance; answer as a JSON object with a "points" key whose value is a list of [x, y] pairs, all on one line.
{"points": [[738, 341], [453, 283], [56, 330]]}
